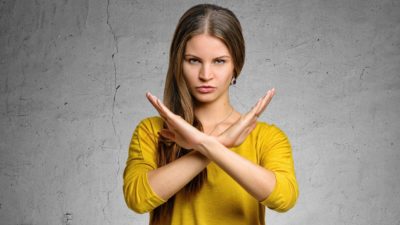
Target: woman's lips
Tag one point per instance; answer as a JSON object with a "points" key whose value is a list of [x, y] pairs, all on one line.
{"points": [[205, 89]]}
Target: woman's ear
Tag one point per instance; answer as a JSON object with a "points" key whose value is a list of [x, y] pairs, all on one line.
{"points": [[233, 81]]}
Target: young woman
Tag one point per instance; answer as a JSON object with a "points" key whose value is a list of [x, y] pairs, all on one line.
{"points": [[201, 161]]}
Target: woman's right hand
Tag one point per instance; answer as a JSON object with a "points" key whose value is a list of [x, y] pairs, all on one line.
{"points": [[237, 132], [179, 131]]}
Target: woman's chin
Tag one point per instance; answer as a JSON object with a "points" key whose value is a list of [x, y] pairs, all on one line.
{"points": [[205, 99]]}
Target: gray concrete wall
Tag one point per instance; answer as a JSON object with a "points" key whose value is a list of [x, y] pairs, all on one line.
{"points": [[73, 75]]}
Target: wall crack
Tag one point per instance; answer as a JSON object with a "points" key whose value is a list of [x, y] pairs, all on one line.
{"points": [[115, 51], [116, 86]]}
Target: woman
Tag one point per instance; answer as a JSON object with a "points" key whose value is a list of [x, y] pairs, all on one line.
{"points": [[203, 162]]}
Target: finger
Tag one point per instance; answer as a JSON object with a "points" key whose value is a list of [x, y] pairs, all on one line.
{"points": [[259, 108], [171, 118], [167, 134], [161, 108], [153, 101], [253, 110], [264, 102], [267, 99], [247, 118], [234, 130], [251, 126]]}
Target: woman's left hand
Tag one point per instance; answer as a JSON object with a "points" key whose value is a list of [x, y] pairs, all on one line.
{"points": [[237, 132], [179, 131]]}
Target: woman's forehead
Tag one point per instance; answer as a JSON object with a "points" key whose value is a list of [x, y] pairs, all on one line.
{"points": [[204, 45]]}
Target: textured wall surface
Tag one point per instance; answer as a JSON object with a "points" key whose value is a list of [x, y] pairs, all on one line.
{"points": [[73, 75]]}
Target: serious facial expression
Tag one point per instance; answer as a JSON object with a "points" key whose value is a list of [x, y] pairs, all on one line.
{"points": [[207, 68]]}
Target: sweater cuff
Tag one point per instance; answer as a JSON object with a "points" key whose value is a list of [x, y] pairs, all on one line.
{"points": [[153, 200], [274, 199]]}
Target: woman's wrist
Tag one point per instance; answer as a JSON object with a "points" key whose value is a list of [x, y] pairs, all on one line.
{"points": [[200, 156], [207, 143]]}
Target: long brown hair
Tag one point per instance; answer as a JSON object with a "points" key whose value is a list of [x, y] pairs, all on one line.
{"points": [[200, 19]]}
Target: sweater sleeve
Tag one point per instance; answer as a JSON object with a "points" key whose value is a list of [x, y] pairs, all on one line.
{"points": [[141, 158], [276, 155]]}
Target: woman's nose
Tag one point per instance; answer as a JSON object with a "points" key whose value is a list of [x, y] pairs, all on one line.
{"points": [[206, 72]]}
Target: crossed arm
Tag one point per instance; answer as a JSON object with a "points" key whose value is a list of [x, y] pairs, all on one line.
{"points": [[169, 179]]}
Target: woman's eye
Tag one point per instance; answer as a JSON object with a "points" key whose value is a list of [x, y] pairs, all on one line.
{"points": [[193, 61], [219, 61]]}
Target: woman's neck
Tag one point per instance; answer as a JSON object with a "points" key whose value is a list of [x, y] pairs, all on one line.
{"points": [[213, 113]]}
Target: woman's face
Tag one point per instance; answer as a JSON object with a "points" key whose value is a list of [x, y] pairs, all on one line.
{"points": [[207, 68]]}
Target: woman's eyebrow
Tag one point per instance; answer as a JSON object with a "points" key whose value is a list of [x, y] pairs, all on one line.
{"points": [[218, 57], [223, 56], [190, 55]]}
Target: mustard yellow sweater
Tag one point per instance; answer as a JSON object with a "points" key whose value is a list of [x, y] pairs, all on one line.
{"points": [[221, 199]]}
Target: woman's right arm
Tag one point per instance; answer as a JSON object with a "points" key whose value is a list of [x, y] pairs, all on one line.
{"points": [[167, 180], [146, 186]]}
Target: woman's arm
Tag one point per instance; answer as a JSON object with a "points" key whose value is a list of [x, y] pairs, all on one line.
{"points": [[273, 182], [146, 186], [167, 180], [256, 180]]}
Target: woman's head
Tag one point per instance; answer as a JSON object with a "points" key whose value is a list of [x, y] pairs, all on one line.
{"points": [[212, 20], [208, 19]]}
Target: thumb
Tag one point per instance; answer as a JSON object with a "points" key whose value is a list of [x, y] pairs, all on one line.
{"points": [[167, 134]]}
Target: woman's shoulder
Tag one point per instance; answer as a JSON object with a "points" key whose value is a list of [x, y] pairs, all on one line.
{"points": [[152, 120], [153, 123], [265, 129], [265, 126], [269, 135]]}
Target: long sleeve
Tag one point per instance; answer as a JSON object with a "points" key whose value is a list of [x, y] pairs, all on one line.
{"points": [[276, 155], [142, 158]]}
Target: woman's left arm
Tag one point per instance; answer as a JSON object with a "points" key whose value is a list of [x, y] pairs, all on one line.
{"points": [[273, 182], [256, 180]]}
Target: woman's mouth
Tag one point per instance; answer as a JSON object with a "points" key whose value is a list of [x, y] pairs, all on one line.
{"points": [[205, 89]]}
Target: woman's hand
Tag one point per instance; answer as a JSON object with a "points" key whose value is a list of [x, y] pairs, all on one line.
{"points": [[179, 131], [237, 132]]}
